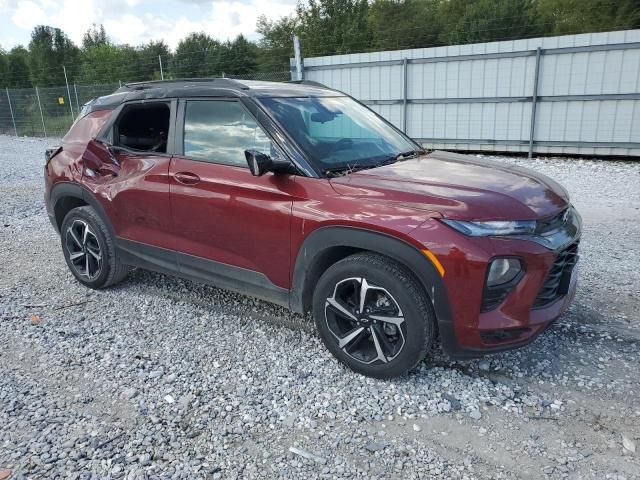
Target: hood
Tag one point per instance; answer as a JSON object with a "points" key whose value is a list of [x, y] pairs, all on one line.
{"points": [[458, 186]]}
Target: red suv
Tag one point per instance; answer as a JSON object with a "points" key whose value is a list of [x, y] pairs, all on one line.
{"points": [[300, 195]]}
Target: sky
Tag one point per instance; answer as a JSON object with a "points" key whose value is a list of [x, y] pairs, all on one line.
{"points": [[137, 21]]}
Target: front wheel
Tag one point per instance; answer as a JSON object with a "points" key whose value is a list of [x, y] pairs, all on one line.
{"points": [[373, 315]]}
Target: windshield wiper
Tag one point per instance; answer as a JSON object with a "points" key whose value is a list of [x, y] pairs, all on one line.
{"points": [[402, 156], [345, 169]]}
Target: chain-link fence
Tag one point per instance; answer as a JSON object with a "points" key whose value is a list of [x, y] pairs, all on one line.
{"points": [[50, 111]]}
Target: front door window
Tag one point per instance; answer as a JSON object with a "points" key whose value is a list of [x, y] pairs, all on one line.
{"points": [[220, 132]]}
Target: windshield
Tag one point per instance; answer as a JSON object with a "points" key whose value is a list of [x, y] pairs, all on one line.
{"points": [[337, 133]]}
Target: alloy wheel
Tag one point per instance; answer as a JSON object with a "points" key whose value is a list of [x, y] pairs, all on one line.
{"points": [[366, 321], [84, 250]]}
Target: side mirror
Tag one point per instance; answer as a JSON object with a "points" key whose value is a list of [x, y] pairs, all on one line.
{"points": [[261, 163], [258, 162]]}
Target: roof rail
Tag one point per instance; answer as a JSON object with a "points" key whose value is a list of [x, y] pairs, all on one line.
{"points": [[311, 83], [223, 82]]}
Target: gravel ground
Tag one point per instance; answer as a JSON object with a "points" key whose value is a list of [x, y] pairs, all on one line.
{"points": [[163, 378]]}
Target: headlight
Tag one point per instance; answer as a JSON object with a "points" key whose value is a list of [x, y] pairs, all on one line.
{"points": [[493, 228], [503, 270]]}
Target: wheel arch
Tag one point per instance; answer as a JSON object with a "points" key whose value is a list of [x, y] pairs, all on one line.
{"points": [[66, 196], [327, 245]]}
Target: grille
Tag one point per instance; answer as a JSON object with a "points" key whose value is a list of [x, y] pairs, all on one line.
{"points": [[557, 282]]}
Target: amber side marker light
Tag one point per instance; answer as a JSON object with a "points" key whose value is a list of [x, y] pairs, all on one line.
{"points": [[434, 260]]}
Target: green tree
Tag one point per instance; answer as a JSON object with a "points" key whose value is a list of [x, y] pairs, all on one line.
{"points": [[108, 63], [94, 36], [193, 56], [398, 24], [561, 17], [468, 21], [334, 26], [49, 50], [18, 68], [4, 68], [100, 64], [148, 59], [239, 57], [128, 66], [276, 43]]}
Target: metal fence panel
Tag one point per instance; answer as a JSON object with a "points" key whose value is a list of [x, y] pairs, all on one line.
{"points": [[481, 96], [50, 111]]}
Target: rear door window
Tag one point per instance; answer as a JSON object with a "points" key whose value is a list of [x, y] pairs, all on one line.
{"points": [[220, 131], [144, 127]]}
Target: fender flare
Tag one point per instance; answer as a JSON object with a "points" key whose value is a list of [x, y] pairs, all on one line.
{"points": [[67, 189], [410, 257]]}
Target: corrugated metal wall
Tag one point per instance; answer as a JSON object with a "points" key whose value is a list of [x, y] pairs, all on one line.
{"points": [[481, 96]]}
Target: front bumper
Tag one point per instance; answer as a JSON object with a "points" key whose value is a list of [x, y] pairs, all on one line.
{"points": [[520, 317], [494, 340]]}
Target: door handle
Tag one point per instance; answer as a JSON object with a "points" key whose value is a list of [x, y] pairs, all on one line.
{"points": [[186, 178]]}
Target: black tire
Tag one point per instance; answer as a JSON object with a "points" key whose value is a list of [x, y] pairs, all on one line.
{"points": [[109, 270], [384, 277]]}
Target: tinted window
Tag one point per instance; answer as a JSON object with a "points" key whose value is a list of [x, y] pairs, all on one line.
{"points": [[220, 132], [336, 132]]}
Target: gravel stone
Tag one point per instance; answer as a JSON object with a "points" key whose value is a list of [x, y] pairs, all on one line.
{"points": [[484, 365], [129, 393], [628, 443], [475, 414], [225, 384]]}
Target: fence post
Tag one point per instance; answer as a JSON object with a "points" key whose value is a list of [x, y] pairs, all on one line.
{"points": [[44, 128], [534, 102], [161, 72], [68, 92], [296, 51], [11, 111], [404, 94], [75, 90]]}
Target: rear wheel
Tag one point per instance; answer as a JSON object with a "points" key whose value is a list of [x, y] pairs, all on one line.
{"points": [[373, 315], [89, 250]]}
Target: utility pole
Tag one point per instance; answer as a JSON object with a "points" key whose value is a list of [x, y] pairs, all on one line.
{"points": [[296, 50], [66, 80], [534, 103], [405, 68], [75, 90], [44, 128], [161, 72], [13, 119]]}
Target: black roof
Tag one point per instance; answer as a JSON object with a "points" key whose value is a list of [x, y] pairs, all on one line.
{"points": [[210, 87]]}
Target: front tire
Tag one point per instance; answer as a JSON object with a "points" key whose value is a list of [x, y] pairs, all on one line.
{"points": [[89, 249], [373, 316]]}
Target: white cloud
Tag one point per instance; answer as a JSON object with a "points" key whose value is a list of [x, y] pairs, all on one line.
{"points": [[175, 32], [76, 17], [228, 19], [126, 29], [223, 20], [139, 21], [28, 14]]}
